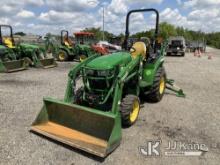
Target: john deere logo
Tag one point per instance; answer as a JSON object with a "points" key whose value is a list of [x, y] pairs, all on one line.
{"points": [[152, 148]]}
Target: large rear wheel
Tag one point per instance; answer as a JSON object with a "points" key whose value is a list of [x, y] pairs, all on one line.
{"points": [[130, 107], [62, 55], [158, 87]]}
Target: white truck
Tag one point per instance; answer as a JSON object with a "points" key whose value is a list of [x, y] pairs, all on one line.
{"points": [[176, 46]]}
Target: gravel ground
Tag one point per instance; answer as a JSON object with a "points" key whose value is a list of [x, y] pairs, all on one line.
{"points": [[195, 118]]}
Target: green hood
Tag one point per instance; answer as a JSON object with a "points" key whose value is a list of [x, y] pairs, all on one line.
{"points": [[83, 46], [110, 61], [29, 46]]}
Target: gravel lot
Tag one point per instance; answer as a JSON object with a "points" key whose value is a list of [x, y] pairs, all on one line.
{"points": [[195, 118]]}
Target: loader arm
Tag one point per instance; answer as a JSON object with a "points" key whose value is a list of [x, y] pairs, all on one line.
{"points": [[69, 97]]}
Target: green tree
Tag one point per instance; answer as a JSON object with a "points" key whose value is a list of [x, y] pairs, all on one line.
{"points": [[167, 30], [20, 33]]}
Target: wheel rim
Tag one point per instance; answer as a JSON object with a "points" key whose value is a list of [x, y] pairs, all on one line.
{"points": [[135, 111], [61, 56], [162, 85], [82, 58]]}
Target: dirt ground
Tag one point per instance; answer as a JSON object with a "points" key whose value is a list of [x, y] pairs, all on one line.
{"points": [[194, 119]]}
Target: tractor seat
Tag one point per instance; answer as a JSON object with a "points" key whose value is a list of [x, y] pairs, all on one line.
{"points": [[138, 48], [68, 42], [8, 42]]}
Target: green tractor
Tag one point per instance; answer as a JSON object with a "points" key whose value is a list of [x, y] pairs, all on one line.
{"points": [[35, 55], [9, 59], [77, 51], [91, 116]]}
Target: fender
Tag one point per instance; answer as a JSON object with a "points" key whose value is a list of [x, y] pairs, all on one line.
{"points": [[149, 71]]}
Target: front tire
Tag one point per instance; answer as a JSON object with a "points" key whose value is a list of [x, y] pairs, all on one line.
{"points": [[158, 87], [129, 109]]}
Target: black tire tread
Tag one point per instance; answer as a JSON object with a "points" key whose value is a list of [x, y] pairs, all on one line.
{"points": [[154, 95], [66, 55], [126, 108]]}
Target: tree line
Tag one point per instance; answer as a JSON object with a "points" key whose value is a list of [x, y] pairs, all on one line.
{"points": [[166, 30]]}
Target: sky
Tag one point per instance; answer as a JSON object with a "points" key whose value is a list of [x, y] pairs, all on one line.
{"points": [[42, 16]]}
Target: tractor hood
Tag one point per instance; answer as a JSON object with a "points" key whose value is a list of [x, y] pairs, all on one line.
{"points": [[29, 46], [110, 61], [83, 46]]}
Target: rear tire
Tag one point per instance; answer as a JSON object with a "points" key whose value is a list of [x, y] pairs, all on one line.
{"points": [[62, 56], [80, 58], [129, 109], [158, 87]]}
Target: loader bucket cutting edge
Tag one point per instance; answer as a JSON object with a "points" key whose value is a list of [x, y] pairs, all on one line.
{"points": [[13, 66], [48, 63], [87, 129]]}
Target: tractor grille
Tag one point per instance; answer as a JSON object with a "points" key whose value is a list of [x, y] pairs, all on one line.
{"points": [[99, 79], [100, 84]]}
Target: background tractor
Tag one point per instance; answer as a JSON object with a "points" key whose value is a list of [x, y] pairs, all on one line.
{"points": [[92, 113], [83, 47], [35, 55], [9, 58], [70, 50]]}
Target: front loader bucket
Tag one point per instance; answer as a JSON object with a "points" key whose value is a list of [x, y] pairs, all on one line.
{"points": [[48, 63], [13, 66], [81, 127]]}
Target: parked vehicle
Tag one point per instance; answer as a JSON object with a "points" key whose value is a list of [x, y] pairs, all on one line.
{"points": [[176, 46]]}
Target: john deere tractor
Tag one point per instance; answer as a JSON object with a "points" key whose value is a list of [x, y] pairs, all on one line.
{"points": [[36, 55], [9, 58], [83, 47], [69, 50], [91, 116], [33, 54]]}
